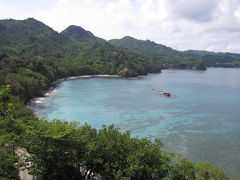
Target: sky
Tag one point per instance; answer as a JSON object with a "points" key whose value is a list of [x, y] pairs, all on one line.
{"points": [[212, 25]]}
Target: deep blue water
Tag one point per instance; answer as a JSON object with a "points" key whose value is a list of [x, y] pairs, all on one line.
{"points": [[201, 119]]}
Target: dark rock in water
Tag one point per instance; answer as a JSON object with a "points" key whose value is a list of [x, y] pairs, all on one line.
{"points": [[167, 94]]}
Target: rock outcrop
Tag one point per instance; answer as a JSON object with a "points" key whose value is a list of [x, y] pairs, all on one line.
{"points": [[167, 94]]}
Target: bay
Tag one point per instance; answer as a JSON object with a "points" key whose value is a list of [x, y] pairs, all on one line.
{"points": [[201, 119]]}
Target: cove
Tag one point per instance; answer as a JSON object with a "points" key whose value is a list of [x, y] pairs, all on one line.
{"points": [[201, 119]]}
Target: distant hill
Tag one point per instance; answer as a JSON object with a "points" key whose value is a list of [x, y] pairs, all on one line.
{"points": [[213, 59], [142, 47], [174, 58]]}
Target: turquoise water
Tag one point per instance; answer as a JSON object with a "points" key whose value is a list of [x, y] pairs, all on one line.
{"points": [[201, 119]]}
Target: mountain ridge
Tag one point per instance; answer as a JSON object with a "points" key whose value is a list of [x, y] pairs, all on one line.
{"points": [[152, 50], [79, 51], [13, 35]]}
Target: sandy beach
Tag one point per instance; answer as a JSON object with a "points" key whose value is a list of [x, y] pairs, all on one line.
{"points": [[52, 89]]}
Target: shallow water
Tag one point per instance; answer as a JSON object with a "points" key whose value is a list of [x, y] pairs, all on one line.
{"points": [[201, 119]]}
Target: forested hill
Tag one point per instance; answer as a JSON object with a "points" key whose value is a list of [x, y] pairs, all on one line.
{"points": [[213, 59], [29, 38], [171, 57], [147, 47]]}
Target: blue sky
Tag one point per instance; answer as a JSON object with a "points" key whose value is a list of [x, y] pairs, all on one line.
{"points": [[212, 25]]}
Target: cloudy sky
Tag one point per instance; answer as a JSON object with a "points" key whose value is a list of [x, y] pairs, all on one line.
{"points": [[181, 24]]}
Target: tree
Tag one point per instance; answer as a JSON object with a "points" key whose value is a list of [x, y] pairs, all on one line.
{"points": [[205, 171], [8, 170], [148, 161], [52, 148], [183, 169]]}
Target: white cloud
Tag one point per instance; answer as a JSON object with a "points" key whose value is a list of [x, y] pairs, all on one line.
{"points": [[194, 10], [181, 24], [6, 12]]}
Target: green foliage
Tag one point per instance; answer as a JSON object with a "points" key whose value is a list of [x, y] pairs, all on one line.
{"points": [[148, 161], [13, 121], [206, 171], [183, 169], [8, 169], [61, 150], [12, 117], [52, 146]]}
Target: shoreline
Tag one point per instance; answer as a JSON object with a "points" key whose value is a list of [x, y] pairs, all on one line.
{"points": [[37, 101], [52, 88], [54, 83], [89, 76]]}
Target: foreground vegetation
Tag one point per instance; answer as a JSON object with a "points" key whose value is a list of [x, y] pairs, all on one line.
{"points": [[66, 150]]}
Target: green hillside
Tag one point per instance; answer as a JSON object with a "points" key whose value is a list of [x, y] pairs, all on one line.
{"points": [[29, 38], [173, 58], [213, 59], [148, 48]]}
